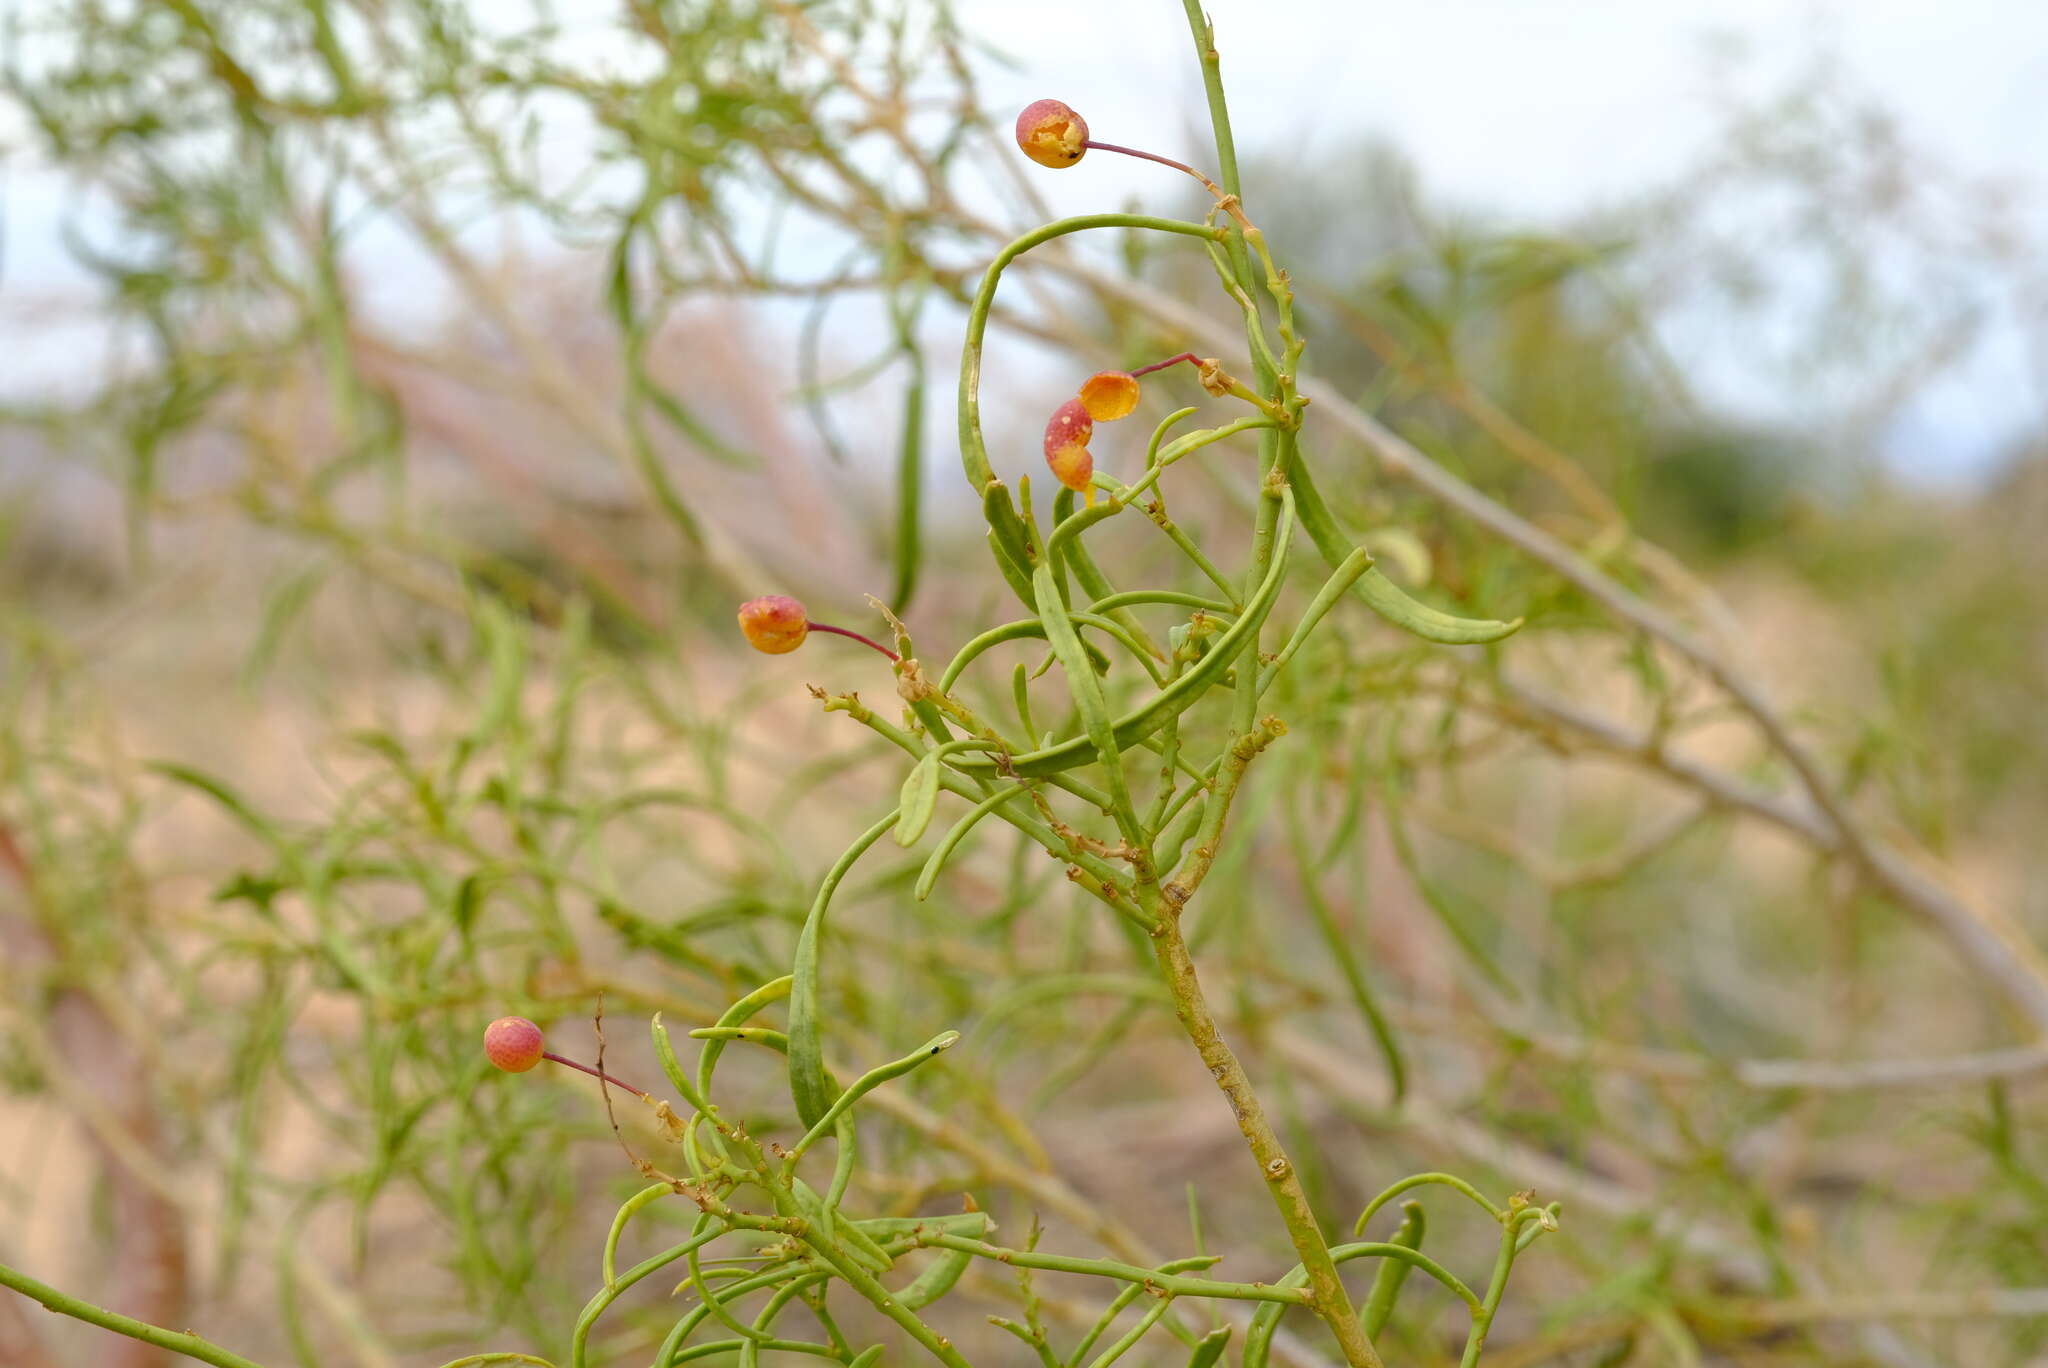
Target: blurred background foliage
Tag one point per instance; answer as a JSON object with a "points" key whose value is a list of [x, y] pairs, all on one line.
{"points": [[367, 672]]}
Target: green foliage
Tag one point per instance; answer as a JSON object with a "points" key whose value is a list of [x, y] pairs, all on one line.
{"points": [[1497, 880]]}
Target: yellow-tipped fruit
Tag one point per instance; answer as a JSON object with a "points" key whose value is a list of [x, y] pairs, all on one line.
{"points": [[1051, 133], [774, 623], [1066, 445], [1110, 395]]}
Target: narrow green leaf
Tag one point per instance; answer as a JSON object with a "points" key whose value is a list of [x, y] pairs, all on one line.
{"points": [[936, 1281], [909, 487], [1009, 538], [1177, 697], [1386, 1284], [505, 645], [810, 1086], [1209, 1349], [920, 798], [281, 609], [1381, 594], [1087, 691], [927, 876], [1391, 602], [468, 899], [238, 807]]}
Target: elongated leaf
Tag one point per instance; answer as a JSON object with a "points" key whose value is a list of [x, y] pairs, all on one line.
{"points": [[281, 609], [505, 645], [1209, 1349], [1087, 691], [809, 1085], [1008, 537], [232, 802], [1388, 599], [1386, 1284], [1380, 593], [936, 1281], [909, 486], [1176, 697], [919, 800], [957, 833]]}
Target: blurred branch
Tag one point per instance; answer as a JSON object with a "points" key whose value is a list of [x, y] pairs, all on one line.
{"points": [[1995, 949], [1702, 1238], [85, 1053]]}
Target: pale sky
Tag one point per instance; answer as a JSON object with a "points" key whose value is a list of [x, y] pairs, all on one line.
{"points": [[1530, 104], [1539, 109], [1524, 109]]}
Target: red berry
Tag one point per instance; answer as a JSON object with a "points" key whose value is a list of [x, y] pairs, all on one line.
{"points": [[1051, 133], [514, 1044], [1066, 445], [774, 623]]}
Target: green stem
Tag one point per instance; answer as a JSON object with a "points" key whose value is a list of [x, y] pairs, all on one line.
{"points": [[1170, 1284], [1482, 1319], [177, 1341], [1276, 453], [865, 1284], [865, 1084], [1330, 1300], [810, 1086], [1219, 117], [1182, 446]]}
